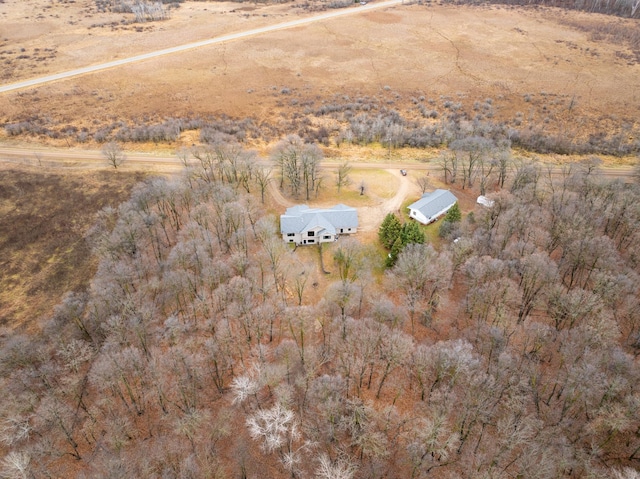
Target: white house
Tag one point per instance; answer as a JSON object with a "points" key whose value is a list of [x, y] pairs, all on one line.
{"points": [[303, 225], [432, 206]]}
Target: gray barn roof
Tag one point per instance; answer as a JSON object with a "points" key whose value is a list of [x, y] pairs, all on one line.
{"points": [[433, 203], [300, 218]]}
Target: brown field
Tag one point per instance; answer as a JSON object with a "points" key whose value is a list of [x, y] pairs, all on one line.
{"points": [[529, 62], [45, 216]]}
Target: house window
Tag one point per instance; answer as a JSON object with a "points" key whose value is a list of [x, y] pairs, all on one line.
{"points": [[341, 230], [311, 241], [291, 234], [326, 237], [311, 233]]}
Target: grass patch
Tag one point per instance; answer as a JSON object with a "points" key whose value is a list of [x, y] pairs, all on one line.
{"points": [[379, 253], [404, 209], [430, 231], [379, 184]]}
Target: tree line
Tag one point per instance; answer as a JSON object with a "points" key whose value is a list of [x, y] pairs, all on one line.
{"points": [[425, 123]]}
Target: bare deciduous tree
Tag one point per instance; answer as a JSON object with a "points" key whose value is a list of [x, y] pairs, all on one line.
{"points": [[394, 348], [421, 274], [183, 154], [146, 11], [15, 465], [278, 431], [342, 175], [471, 152], [299, 165], [341, 468], [432, 443], [262, 178], [423, 183], [450, 163], [244, 387], [113, 154]]}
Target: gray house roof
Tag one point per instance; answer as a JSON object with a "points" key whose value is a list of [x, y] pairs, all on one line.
{"points": [[433, 203], [300, 218]]}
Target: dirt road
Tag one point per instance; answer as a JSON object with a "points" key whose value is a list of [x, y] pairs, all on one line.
{"points": [[76, 158], [93, 158]]}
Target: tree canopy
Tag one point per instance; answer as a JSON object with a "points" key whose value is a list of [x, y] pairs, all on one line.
{"points": [[202, 350], [395, 236]]}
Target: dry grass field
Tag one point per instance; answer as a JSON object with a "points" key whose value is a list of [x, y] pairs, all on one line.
{"points": [[531, 64], [45, 216]]}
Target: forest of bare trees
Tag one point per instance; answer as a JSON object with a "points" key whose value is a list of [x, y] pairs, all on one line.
{"points": [[205, 347]]}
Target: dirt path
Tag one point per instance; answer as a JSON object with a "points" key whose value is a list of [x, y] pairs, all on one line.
{"points": [[371, 216], [277, 196]]}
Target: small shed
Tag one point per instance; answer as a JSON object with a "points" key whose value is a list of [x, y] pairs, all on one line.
{"points": [[432, 206]]}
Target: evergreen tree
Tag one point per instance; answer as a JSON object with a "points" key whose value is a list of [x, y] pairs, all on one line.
{"points": [[396, 248], [453, 215], [389, 230], [395, 236], [449, 226], [411, 233]]}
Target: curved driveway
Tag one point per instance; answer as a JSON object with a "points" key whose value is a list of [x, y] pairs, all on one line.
{"points": [[202, 43]]}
